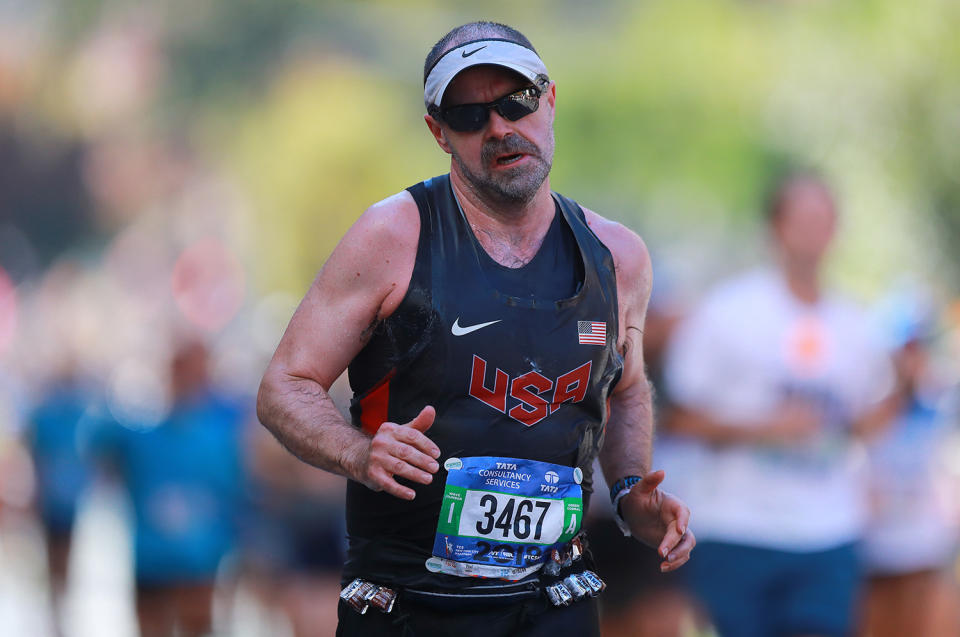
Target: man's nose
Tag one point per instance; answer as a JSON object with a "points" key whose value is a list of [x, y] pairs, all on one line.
{"points": [[498, 126]]}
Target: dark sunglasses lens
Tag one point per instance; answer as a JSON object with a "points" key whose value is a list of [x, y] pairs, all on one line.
{"points": [[466, 118], [513, 107]]}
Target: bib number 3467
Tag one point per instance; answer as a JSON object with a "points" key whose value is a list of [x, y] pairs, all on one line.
{"points": [[511, 518], [499, 516]]}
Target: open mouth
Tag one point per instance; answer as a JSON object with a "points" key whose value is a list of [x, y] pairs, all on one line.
{"points": [[506, 160]]}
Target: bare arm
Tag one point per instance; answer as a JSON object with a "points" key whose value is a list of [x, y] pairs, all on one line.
{"points": [[794, 421], [361, 283], [629, 434], [878, 418], [654, 516]]}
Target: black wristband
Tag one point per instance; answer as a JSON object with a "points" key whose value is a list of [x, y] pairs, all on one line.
{"points": [[621, 484]]}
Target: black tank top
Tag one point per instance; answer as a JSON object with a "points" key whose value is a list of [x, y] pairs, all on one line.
{"points": [[554, 272], [509, 376]]}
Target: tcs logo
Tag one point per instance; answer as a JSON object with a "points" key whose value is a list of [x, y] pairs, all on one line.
{"points": [[527, 389]]}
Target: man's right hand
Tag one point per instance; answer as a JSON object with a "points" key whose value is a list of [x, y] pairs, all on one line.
{"points": [[398, 450]]}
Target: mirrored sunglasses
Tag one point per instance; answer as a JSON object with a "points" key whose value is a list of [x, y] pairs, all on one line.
{"points": [[468, 118]]}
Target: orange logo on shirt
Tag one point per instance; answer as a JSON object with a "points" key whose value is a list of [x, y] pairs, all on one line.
{"points": [[806, 346]]}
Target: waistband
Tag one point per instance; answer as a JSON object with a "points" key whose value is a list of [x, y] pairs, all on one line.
{"points": [[565, 579], [476, 597]]}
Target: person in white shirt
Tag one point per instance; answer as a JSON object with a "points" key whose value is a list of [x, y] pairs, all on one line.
{"points": [[773, 381]]}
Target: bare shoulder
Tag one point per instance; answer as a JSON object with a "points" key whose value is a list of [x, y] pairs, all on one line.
{"points": [[362, 282], [392, 222], [630, 255], [378, 252], [634, 282]]}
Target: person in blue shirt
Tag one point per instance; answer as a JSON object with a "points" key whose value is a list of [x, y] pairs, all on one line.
{"points": [[55, 427], [912, 537], [185, 482]]}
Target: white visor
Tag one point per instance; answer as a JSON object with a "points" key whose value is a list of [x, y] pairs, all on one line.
{"points": [[498, 52]]}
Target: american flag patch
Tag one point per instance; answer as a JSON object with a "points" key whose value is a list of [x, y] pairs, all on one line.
{"points": [[591, 332]]}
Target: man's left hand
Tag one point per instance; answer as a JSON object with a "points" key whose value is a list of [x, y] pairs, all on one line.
{"points": [[659, 519]]}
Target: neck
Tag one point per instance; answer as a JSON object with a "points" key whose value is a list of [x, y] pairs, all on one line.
{"points": [[803, 280], [511, 233], [507, 213]]}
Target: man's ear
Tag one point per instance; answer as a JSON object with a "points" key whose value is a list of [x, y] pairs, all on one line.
{"points": [[438, 134], [552, 97]]}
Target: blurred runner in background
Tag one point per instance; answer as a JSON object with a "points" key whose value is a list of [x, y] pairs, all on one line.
{"points": [[295, 540], [912, 538], [295, 544], [774, 380], [62, 418], [185, 483], [21, 572]]}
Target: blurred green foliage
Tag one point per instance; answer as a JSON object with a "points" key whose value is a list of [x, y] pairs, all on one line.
{"points": [[669, 111]]}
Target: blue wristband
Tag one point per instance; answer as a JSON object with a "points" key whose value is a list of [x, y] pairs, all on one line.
{"points": [[621, 484]]}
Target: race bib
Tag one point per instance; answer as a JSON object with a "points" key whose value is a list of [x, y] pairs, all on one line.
{"points": [[500, 516]]}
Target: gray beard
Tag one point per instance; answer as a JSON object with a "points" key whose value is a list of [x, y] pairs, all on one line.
{"points": [[512, 187]]}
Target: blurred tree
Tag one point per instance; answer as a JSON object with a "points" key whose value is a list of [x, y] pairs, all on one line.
{"points": [[328, 141], [674, 111]]}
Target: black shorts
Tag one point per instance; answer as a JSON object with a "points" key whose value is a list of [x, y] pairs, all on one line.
{"points": [[529, 618]]}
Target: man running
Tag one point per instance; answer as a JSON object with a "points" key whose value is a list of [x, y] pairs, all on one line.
{"points": [[492, 331]]}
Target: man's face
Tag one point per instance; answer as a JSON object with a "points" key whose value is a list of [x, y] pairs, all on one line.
{"points": [[505, 161], [805, 225]]}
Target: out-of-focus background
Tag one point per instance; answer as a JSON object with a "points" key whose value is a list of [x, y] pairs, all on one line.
{"points": [[173, 174]]}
